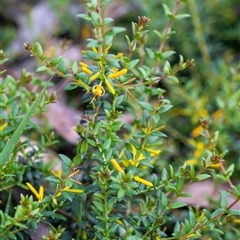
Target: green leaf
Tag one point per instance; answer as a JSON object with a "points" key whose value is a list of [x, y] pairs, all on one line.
{"points": [[167, 68], [216, 213], [146, 163], [66, 160], [70, 86], [165, 108], [91, 142], [223, 201], [166, 9], [143, 72], [77, 160], [62, 67], [8, 149], [84, 146], [192, 219], [167, 54], [117, 30], [53, 179], [10, 235], [135, 143], [173, 78], [203, 176], [96, 19], [181, 16], [42, 68], [234, 212], [121, 194], [56, 61], [74, 67], [38, 49], [146, 106], [192, 171], [236, 190], [107, 20], [99, 206], [132, 64], [164, 199], [185, 195], [177, 205], [107, 144], [84, 16], [116, 126]]}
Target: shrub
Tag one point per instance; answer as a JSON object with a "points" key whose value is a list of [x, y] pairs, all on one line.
{"points": [[128, 179]]}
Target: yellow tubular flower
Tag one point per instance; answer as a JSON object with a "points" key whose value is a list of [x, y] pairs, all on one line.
{"points": [[191, 161], [82, 64], [94, 76], [3, 126], [152, 151], [86, 70], [108, 47], [109, 86], [196, 131], [68, 189], [57, 174], [54, 200], [134, 151], [94, 49], [217, 114], [118, 74], [117, 166], [143, 181], [119, 55], [192, 235], [39, 195]]}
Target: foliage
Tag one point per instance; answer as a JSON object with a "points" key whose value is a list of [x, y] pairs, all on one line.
{"points": [[126, 177]]}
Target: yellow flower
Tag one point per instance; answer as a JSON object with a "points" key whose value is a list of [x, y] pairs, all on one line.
{"points": [[191, 161], [196, 131], [84, 68], [3, 126], [198, 152], [39, 195], [117, 166], [119, 55], [94, 49], [54, 200], [82, 64], [216, 165], [143, 181], [94, 76], [217, 114], [68, 189], [98, 91], [118, 73], [237, 220], [192, 235], [109, 86], [57, 174], [135, 161]]}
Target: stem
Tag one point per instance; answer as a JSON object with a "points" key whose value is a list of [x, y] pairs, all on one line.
{"points": [[161, 46], [80, 212]]}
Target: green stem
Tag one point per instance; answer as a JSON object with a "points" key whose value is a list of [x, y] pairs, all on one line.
{"points": [[160, 49], [80, 212]]}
